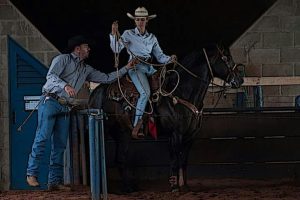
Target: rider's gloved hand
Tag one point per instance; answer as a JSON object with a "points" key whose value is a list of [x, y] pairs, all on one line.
{"points": [[173, 58], [114, 28]]}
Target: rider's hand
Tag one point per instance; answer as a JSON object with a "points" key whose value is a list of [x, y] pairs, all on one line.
{"points": [[114, 28], [132, 63], [70, 90], [173, 58]]}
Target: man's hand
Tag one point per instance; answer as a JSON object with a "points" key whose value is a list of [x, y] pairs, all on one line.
{"points": [[132, 63], [173, 58], [114, 28], [70, 90]]}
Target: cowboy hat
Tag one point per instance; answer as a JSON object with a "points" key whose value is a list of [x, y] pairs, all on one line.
{"points": [[141, 12]]}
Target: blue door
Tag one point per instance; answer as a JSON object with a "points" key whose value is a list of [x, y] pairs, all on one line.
{"points": [[26, 78]]}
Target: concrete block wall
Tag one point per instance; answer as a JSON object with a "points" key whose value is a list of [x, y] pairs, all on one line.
{"points": [[271, 47], [14, 24]]}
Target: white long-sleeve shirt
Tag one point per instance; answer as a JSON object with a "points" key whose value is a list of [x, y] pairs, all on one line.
{"points": [[140, 45]]}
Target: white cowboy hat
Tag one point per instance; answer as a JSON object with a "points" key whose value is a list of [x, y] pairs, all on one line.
{"points": [[141, 12]]}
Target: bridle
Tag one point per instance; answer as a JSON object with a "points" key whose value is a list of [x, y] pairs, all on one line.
{"points": [[231, 74], [231, 68]]}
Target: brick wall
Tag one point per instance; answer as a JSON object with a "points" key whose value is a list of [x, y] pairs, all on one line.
{"points": [[14, 24], [270, 47]]}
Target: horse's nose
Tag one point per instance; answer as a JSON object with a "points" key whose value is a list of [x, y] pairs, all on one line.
{"points": [[241, 81], [236, 82]]}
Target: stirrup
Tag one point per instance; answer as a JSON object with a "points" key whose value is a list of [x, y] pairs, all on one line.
{"points": [[135, 132]]}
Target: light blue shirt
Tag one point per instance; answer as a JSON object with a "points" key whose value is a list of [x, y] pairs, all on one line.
{"points": [[68, 69], [140, 45]]}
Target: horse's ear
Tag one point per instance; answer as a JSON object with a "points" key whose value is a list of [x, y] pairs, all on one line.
{"points": [[220, 47]]}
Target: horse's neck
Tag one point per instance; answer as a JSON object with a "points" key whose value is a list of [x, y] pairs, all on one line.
{"points": [[194, 92]]}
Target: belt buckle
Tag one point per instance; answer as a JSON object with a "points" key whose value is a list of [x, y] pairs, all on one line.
{"points": [[54, 96], [62, 101]]}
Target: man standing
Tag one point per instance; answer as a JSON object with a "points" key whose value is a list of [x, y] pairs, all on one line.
{"points": [[66, 75]]}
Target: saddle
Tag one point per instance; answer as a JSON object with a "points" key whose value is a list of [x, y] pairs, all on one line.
{"points": [[131, 94], [128, 89]]}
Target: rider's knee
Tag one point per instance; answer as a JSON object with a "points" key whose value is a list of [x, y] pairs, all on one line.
{"points": [[144, 95]]}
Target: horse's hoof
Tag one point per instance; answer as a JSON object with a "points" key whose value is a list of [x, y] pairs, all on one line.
{"points": [[174, 189]]}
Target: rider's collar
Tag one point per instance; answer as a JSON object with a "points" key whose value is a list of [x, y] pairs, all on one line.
{"points": [[136, 30]]}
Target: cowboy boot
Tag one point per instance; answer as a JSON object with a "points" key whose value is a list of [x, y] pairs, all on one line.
{"points": [[136, 133], [32, 181]]}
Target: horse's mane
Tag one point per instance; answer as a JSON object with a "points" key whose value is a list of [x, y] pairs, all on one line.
{"points": [[197, 57], [196, 63]]}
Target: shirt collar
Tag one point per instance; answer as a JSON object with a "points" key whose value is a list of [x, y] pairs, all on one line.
{"points": [[75, 57], [136, 30]]}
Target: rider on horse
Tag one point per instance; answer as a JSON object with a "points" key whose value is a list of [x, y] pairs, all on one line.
{"points": [[142, 45]]}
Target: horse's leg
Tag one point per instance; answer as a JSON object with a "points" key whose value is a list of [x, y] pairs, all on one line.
{"points": [[123, 144], [185, 154], [181, 163], [174, 165], [181, 177], [122, 161]]}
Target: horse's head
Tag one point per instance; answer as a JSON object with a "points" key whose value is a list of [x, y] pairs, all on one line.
{"points": [[223, 66]]}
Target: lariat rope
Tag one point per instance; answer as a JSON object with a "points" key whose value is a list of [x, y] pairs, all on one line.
{"points": [[162, 74], [161, 77]]}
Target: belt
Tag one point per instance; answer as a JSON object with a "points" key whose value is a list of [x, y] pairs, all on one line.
{"points": [[53, 95], [145, 58], [60, 100]]}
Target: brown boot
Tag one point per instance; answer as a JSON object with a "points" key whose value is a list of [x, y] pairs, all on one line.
{"points": [[136, 134], [32, 181]]}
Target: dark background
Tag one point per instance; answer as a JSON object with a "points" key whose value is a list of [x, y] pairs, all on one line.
{"points": [[181, 25]]}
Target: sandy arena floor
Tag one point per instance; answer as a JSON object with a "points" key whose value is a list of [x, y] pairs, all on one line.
{"points": [[212, 189]]}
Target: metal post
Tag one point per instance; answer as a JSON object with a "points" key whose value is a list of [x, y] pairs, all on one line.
{"points": [[82, 148], [297, 102], [240, 101], [102, 157], [258, 97], [75, 149], [97, 157], [97, 161], [67, 164], [92, 157]]}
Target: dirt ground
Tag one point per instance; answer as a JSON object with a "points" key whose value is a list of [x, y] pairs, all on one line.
{"points": [[212, 189]]}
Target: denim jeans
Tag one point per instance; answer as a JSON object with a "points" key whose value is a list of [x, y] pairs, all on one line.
{"points": [[140, 80], [53, 123]]}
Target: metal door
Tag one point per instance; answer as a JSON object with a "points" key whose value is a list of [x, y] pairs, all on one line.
{"points": [[26, 78]]}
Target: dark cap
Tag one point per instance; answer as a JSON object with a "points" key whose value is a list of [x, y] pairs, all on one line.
{"points": [[77, 41]]}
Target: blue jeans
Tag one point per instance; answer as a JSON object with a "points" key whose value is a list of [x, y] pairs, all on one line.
{"points": [[140, 80], [53, 122]]}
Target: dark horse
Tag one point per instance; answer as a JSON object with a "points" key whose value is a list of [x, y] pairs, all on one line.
{"points": [[180, 121]]}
